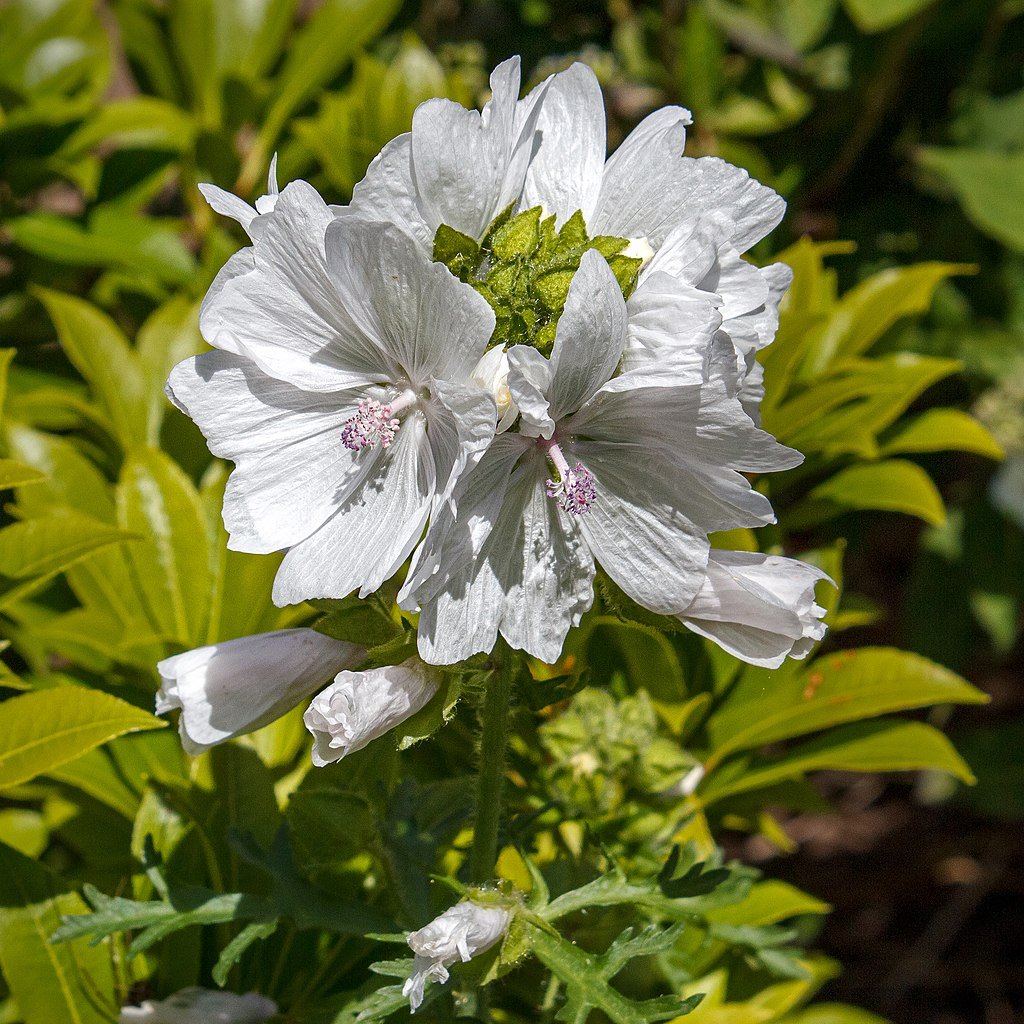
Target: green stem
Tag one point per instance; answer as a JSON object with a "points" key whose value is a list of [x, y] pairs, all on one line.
{"points": [[490, 781]]}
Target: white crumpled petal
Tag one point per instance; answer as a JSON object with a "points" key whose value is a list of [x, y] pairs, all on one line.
{"points": [[759, 608], [360, 706], [491, 374], [459, 934], [238, 686], [202, 1006]]}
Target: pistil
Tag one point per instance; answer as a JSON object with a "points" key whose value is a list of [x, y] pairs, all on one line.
{"points": [[375, 422], [575, 490]]}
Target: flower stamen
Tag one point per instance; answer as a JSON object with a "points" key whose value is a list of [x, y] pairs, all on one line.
{"points": [[375, 422], [574, 490]]}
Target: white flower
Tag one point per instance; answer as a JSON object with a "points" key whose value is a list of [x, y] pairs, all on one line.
{"points": [[360, 706], [202, 1006], [459, 934], [229, 205], [608, 469], [491, 373], [687, 219], [340, 390], [228, 689], [760, 608]]}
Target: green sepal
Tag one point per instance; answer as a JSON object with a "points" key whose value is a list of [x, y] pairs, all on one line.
{"points": [[457, 251], [519, 237], [609, 245], [626, 270]]}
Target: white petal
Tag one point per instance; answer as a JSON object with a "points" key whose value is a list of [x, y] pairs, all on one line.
{"points": [[428, 322], [671, 325], [529, 380], [238, 686], [652, 550], [760, 608], [285, 314], [460, 425], [691, 249], [291, 470], [551, 579], [227, 204], [565, 173], [589, 338], [388, 193], [742, 286], [469, 166], [374, 531]]}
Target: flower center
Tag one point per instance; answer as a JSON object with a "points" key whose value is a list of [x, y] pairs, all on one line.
{"points": [[574, 490], [524, 267], [375, 422]]}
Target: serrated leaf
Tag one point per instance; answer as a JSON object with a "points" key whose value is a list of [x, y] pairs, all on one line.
{"points": [[42, 730], [765, 707]]}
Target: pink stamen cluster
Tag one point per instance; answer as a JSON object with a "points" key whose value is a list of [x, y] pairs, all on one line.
{"points": [[575, 492], [375, 422]]}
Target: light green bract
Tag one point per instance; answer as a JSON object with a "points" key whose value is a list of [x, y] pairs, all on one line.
{"points": [[523, 268]]}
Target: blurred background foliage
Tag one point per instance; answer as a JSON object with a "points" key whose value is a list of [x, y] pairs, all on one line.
{"points": [[895, 129]]}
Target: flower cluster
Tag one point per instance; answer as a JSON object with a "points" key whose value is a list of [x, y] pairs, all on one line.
{"points": [[517, 362]]}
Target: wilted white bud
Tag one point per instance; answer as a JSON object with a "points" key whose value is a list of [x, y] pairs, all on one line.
{"points": [[360, 706], [760, 608], [202, 1006], [491, 373], [459, 934], [236, 687], [639, 249]]}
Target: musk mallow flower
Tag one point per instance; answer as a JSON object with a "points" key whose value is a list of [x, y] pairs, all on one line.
{"points": [[360, 706], [603, 468], [238, 686], [459, 934], [202, 1006], [673, 227], [760, 608], [340, 388]]}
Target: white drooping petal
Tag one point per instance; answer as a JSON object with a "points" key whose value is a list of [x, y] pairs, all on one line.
{"points": [[565, 173], [360, 706], [286, 314], [235, 687], [291, 470], [427, 322], [202, 1006], [759, 608], [491, 373], [374, 529], [227, 204], [589, 338], [459, 934], [469, 166]]}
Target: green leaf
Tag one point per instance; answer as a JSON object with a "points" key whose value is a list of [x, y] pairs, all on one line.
{"points": [[988, 185], [586, 977], [52, 985], [834, 1013], [38, 549], [172, 564], [894, 485], [102, 355], [142, 121], [17, 474], [42, 730], [878, 15], [765, 707], [940, 430], [885, 746], [768, 902]]}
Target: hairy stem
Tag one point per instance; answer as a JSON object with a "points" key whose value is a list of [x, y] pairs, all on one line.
{"points": [[490, 781]]}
